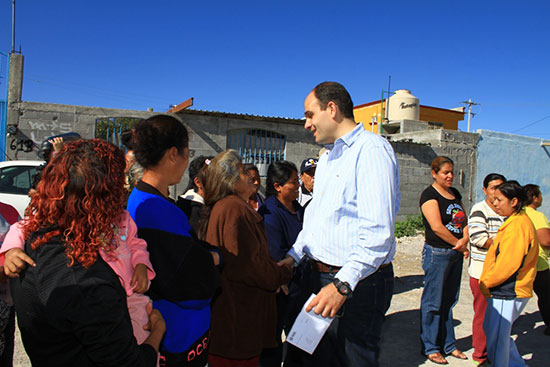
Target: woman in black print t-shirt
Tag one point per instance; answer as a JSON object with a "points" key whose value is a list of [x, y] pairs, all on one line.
{"points": [[446, 245]]}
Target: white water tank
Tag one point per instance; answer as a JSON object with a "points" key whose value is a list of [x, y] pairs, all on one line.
{"points": [[403, 106]]}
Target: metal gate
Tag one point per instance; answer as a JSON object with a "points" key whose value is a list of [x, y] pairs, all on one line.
{"points": [[111, 128], [261, 147]]}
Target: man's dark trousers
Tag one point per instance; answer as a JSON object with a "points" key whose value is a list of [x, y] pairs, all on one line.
{"points": [[353, 337]]}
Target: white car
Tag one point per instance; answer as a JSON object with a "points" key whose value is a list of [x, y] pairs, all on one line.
{"points": [[15, 182]]}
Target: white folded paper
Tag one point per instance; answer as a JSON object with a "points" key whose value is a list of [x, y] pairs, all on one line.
{"points": [[308, 329]]}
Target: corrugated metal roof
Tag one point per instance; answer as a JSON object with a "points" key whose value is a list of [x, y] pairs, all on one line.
{"points": [[243, 116]]}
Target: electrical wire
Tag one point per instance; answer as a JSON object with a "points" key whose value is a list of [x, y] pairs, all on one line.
{"points": [[531, 124], [99, 92]]}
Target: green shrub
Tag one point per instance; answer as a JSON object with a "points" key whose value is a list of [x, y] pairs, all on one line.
{"points": [[409, 227]]}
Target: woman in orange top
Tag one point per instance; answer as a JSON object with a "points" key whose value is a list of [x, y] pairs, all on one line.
{"points": [[508, 274]]}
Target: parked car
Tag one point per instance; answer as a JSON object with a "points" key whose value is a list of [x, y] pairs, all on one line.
{"points": [[15, 182]]}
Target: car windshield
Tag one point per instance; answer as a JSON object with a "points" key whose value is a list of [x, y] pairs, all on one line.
{"points": [[16, 179]]}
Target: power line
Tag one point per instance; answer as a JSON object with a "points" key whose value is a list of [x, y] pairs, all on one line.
{"points": [[100, 92], [531, 124]]}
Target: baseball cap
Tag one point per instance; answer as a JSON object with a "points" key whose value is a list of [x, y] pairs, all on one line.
{"points": [[307, 164]]}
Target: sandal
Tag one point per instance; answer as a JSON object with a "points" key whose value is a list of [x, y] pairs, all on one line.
{"points": [[437, 358], [458, 354]]}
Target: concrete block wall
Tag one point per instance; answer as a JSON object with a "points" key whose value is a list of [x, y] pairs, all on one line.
{"points": [[415, 152], [208, 135], [208, 130], [37, 121]]}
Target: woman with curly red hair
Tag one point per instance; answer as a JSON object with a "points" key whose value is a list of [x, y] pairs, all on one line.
{"points": [[70, 303]]}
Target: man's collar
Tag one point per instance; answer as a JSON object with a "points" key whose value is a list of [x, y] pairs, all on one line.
{"points": [[304, 190], [352, 136]]}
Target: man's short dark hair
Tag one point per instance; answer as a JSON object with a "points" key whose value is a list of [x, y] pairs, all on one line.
{"points": [[335, 92], [492, 177]]}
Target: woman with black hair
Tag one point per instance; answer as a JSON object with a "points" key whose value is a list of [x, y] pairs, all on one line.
{"points": [[186, 274], [445, 220], [283, 219], [282, 214], [256, 199], [508, 274], [192, 201], [541, 286]]}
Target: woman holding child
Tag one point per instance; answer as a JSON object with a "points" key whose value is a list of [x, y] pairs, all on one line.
{"points": [[71, 305]]}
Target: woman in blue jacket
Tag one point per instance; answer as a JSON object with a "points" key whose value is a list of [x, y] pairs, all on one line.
{"points": [[186, 274], [283, 217]]}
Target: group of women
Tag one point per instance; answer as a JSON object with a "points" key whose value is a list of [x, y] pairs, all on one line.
{"points": [[215, 291], [212, 288], [509, 268]]}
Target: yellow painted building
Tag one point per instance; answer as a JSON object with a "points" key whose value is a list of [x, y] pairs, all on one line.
{"points": [[365, 113]]}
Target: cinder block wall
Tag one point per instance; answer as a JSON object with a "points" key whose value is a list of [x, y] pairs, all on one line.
{"points": [[415, 152], [208, 131], [37, 121], [208, 136]]}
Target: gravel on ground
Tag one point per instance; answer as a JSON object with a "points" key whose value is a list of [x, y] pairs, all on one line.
{"points": [[400, 344]]}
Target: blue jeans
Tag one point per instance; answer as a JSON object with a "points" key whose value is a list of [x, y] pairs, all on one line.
{"points": [[352, 338], [499, 318], [442, 274]]}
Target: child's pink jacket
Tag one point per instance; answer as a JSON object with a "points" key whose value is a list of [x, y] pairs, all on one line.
{"points": [[130, 251]]}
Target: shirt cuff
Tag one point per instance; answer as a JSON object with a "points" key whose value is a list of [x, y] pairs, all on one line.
{"points": [[294, 255], [348, 273]]}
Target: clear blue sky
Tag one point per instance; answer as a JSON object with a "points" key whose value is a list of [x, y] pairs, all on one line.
{"points": [[262, 57]]}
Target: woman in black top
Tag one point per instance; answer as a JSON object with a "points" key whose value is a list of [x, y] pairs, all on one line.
{"points": [[71, 307], [446, 244]]}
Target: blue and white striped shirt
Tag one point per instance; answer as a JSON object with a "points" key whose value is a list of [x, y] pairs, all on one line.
{"points": [[350, 221]]}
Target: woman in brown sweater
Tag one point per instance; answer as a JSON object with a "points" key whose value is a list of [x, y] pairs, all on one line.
{"points": [[244, 313]]}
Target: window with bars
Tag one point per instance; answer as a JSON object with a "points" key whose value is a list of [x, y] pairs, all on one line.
{"points": [[260, 147]]}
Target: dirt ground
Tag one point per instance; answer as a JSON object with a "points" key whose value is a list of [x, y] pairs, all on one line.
{"points": [[400, 346]]}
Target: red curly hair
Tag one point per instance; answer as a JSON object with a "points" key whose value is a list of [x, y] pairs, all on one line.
{"points": [[80, 196]]}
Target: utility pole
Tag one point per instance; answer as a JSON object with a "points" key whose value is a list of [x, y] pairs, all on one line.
{"points": [[13, 26], [470, 104]]}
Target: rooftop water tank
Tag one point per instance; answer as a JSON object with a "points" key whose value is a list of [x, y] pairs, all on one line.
{"points": [[403, 106]]}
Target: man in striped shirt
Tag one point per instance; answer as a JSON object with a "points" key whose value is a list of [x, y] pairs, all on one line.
{"points": [[347, 237], [483, 225]]}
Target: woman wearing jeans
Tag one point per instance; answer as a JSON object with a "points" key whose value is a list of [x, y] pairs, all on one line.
{"points": [[446, 239], [508, 274]]}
